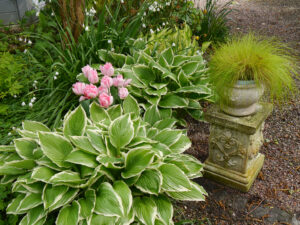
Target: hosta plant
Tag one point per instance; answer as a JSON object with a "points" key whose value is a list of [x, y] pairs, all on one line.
{"points": [[113, 168], [164, 80], [181, 39]]}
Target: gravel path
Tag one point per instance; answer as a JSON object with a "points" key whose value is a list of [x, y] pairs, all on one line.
{"points": [[275, 195]]}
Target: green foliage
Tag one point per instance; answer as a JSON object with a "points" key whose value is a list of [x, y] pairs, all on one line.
{"points": [[100, 170], [167, 81], [57, 51], [213, 24], [181, 38], [170, 13], [5, 197], [11, 79], [250, 57]]}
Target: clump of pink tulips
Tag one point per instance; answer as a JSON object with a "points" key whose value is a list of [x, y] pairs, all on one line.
{"points": [[102, 92]]}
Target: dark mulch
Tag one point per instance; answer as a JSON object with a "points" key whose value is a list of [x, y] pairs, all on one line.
{"points": [[275, 195]]}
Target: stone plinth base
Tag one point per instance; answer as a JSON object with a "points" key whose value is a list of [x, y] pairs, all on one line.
{"points": [[237, 180], [234, 144]]}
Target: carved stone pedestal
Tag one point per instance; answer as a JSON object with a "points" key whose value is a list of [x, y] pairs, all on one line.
{"points": [[234, 144]]}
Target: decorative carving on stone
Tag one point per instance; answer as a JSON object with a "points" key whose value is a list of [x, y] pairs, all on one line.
{"points": [[227, 150]]}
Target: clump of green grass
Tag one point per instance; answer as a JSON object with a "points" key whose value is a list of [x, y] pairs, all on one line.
{"points": [[264, 60]]}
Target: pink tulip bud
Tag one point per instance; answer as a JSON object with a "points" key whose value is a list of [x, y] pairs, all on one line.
{"points": [[78, 88], [118, 81], [82, 98], [103, 90], [106, 82], [123, 93], [85, 70], [127, 82], [107, 69], [105, 100], [93, 76], [90, 91]]}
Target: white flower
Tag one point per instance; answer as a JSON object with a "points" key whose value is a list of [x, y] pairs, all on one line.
{"points": [[29, 42], [198, 52], [86, 28], [23, 104], [56, 73], [144, 25], [157, 9], [112, 49], [13, 128], [30, 105], [35, 81], [52, 14], [163, 24], [9, 134], [25, 51], [15, 96], [173, 44], [20, 39], [151, 31], [109, 41], [145, 13], [122, 1], [32, 100], [55, 77]]}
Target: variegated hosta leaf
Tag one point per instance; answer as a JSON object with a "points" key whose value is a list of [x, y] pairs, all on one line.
{"points": [[87, 204], [168, 136], [173, 101], [152, 115], [34, 216], [108, 202], [98, 114], [101, 219], [69, 215], [164, 209], [34, 126], [82, 158], [145, 210], [115, 112], [150, 181], [188, 164], [97, 141], [121, 131], [55, 147], [174, 179], [136, 161], [196, 193], [130, 105], [53, 194], [75, 123], [42, 173], [25, 147], [84, 144]]}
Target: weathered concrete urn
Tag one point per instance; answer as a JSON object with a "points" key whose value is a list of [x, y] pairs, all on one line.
{"points": [[234, 144], [242, 99]]}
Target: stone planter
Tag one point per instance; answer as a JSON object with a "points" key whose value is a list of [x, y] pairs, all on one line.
{"points": [[11, 11], [234, 144], [242, 99]]}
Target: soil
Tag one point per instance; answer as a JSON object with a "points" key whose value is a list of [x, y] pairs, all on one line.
{"points": [[274, 198]]}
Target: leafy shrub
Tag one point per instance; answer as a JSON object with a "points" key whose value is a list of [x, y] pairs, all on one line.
{"points": [[165, 81], [181, 38], [113, 168], [11, 79]]}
